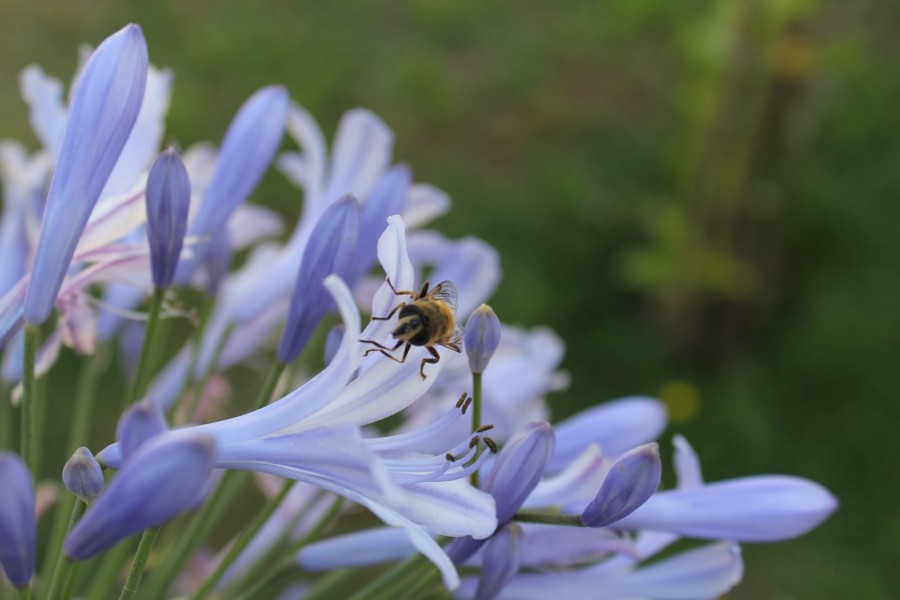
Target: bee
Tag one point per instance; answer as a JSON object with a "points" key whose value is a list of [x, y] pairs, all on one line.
{"points": [[429, 320]]}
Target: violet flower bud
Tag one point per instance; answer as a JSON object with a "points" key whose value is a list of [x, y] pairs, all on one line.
{"points": [[83, 475], [482, 337], [247, 149], [632, 479], [168, 198], [500, 562], [104, 108], [330, 248], [18, 527], [141, 422], [519, 468], [163, 478]]}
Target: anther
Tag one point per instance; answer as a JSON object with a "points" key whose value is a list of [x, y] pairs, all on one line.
{"points": [[484, 428], [473, 442], [450, 457], [466, 404], [490, 444], [462, 399]]}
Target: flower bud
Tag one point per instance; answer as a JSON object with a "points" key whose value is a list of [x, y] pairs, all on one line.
{"points": [[330, 248], [141, 422], [168, 198], [104, 108], [632, 479], [247, 149], [482, 337], [500, 563], [18, 526], [162, 478], [83, 475]]}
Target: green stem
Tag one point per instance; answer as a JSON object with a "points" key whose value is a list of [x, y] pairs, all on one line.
{"points": [[476, 418], [390, 585], [318, 529], [27, 441], [151, 333], [243, 539], [268, 388], [63, 570], [5, 413], [327, 585], [81, 420], [23, 593], [107, 575], [207, 373], [528, 516], [139, 563]]}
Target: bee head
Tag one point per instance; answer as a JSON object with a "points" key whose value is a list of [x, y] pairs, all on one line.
{"points": [[408, 328]]}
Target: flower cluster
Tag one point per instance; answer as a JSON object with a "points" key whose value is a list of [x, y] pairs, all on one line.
{"points": [[439, 431]]}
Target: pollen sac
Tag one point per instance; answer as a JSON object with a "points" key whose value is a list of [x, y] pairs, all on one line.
{"points": [[632, 479], [82, 475], [18, 527], [482, 337], [168, 198]]}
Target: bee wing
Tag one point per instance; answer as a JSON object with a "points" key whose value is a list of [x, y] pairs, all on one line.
{"points": [[446, 292], [456, 338]]}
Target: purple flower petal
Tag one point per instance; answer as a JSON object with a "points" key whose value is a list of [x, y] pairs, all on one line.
{"points": [[359, 549], [500, 563], [482, 337], [18, 527], [82, 475], [168, 199], [766, 508], [617, 426], [632, 479], [519, 468], [164, 477], [103, 111]]}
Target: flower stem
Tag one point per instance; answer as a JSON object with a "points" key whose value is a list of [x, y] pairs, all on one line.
{"points": [[528, 516], [63, 570], [27, 441], [476, 418], [391, 584], [81, 420], [4, 418], [207, 373], [23, 593], [139, 563], [148, 346], [243, 539]]}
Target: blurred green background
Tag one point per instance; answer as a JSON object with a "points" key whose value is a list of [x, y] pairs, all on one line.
{"points": [[701, 197]]}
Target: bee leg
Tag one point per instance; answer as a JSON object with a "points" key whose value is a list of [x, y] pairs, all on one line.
{"points": [[452, 346], [432, 361], [379, 346], [412, 295], [423, 292], [390, 314]]}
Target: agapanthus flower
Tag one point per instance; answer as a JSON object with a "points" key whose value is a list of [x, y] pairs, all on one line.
{"points": [[313, 434]]}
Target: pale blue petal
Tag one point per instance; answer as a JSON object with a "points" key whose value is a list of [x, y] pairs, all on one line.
{"points": [[46, 108], [102, 113], [369, 547], [424, 204], [687, 465], [362, 150], [766, 508], [617, 426]]}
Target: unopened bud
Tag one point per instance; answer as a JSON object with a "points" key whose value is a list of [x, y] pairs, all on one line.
{"points": [[82, 475], [632, 479], [482, 337], [168, 196], [138, 424]]}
